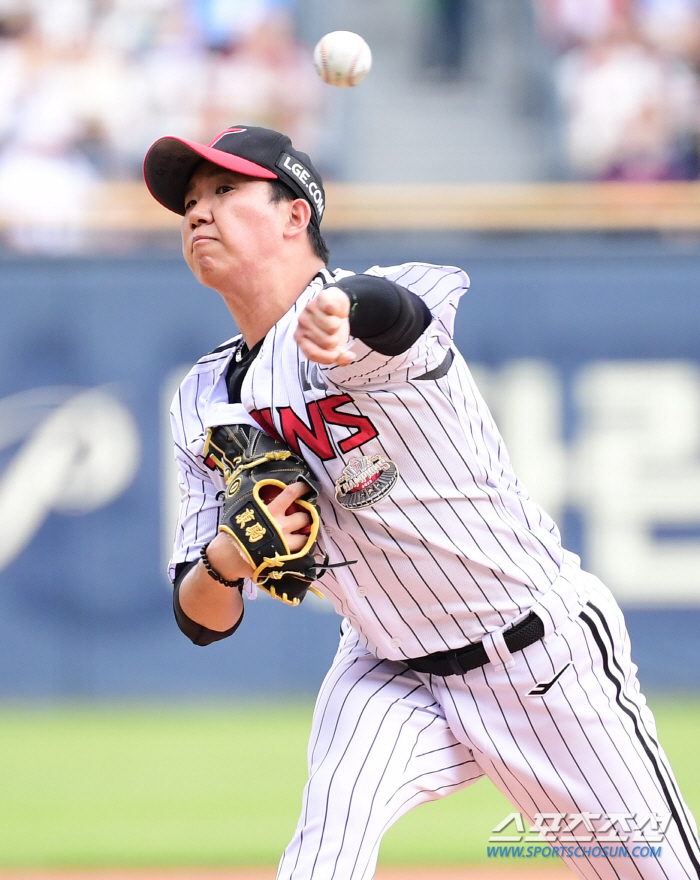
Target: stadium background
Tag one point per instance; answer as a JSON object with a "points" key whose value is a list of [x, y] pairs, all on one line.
{"points": [[464, 147]]}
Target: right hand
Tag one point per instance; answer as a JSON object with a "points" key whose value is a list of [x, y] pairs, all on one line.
{"points": [[224, 553], [323, 331], [291, 521]]}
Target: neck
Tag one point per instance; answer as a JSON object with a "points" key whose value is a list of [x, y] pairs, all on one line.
{"points": [[259, 303]]}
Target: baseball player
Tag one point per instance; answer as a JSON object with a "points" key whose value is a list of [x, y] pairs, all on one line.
{"points": [[472, 643]]}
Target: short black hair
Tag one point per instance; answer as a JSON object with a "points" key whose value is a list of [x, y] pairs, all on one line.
{"points": [[281, 192]]}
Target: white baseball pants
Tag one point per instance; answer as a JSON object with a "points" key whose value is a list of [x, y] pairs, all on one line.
{"points": [[386, 739]]}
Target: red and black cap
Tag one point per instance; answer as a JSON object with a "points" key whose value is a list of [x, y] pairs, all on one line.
{"points": [[250, 150]]}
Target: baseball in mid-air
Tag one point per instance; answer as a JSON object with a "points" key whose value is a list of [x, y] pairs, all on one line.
{"points": [[342, 59]]}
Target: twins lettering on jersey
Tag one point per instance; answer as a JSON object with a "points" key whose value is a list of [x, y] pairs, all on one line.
{"points": [[365, 480], [314, 431]]}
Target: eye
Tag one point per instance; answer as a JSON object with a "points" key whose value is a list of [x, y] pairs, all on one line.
{"points": [[190, 204], [224, 188]]}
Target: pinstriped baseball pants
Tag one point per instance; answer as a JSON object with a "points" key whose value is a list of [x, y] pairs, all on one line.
{"points": [[386, 739]]}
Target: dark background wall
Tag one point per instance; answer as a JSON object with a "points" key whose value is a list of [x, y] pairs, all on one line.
{"points": [[84, 605]]}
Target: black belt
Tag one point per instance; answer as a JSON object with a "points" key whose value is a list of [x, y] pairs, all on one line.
{"points": [[527, 632]]}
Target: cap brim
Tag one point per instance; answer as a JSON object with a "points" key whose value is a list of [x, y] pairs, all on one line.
{"points": [[170, 162]]}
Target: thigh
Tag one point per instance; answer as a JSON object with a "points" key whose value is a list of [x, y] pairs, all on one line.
{"points": [[379, 746], [566, 730]]}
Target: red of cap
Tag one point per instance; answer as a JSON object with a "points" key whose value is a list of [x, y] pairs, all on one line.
{"points": [[170, 162]]}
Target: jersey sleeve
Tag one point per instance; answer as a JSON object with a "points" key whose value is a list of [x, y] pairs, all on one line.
{"points": [[198, 517], [440, 288], [200, 488], [201, 402]]}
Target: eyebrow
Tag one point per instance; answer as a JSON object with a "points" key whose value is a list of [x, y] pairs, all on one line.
{"points": [[219, 170]]}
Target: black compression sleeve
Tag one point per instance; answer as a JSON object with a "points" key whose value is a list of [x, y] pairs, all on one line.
{"points": [[195, 632], [385, 316]]}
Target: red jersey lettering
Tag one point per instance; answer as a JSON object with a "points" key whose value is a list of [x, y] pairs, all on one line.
{"points": [[315, 436], [365, 429]]}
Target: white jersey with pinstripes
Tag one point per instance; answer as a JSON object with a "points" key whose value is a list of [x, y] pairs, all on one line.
{"points": [[457, 548], [453, 550]]}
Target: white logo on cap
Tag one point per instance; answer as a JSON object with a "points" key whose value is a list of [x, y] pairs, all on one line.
{"points": [[294, 167]]}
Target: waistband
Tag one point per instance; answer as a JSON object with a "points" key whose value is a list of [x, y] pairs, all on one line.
{"points": [[564, 600], [527, 632]]}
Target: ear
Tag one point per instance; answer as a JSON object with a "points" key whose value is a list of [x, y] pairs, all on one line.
{"points": [[298, 217]]}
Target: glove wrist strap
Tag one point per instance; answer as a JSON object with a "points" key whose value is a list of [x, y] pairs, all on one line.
{"points": [[215, 574]]}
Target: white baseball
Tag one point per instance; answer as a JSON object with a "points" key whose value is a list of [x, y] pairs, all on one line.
{"points": [[342, 59]]}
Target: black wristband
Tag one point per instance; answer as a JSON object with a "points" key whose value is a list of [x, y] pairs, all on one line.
{"points": [[215, 574]]}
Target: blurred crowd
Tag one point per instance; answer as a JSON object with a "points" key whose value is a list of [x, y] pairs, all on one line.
{"points": [[87, 85], [628, 78]]}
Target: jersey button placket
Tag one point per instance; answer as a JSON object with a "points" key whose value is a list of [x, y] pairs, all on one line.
{"points": [[395, 642], [362, 591]]}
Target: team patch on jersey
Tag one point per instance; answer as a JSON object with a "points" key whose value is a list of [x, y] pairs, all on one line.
{"points": [[365, 481]]}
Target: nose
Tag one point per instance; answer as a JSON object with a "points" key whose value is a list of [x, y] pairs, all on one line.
{"points": [[200, 213]]}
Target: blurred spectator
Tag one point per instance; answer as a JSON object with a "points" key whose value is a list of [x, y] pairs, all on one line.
{"points": [[44, 195], [155, 68], [631, 113], [672, 26], [15, 65], [120, 73], [568, 23], [44, 179], [226, 23], [628, 84], [62, 24], [130, 27], [266, 78], [87, 85]]}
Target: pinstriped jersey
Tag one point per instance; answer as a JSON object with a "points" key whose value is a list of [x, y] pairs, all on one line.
{"points": [[417, 487]]}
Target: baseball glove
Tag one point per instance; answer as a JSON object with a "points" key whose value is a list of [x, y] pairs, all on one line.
{"points": [[250, 461]]}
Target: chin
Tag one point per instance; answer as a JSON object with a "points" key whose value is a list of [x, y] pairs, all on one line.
{"points": [[206, 272], [208, 280]]}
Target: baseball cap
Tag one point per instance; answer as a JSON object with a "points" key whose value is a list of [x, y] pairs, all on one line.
{"points": [[250, 150]]}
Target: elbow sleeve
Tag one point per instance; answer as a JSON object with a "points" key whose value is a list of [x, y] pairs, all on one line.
{"points": [[195, 632], [385, 316]]}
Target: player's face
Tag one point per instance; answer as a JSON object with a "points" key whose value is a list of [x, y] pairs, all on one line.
{"points": [[231, 227]]}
